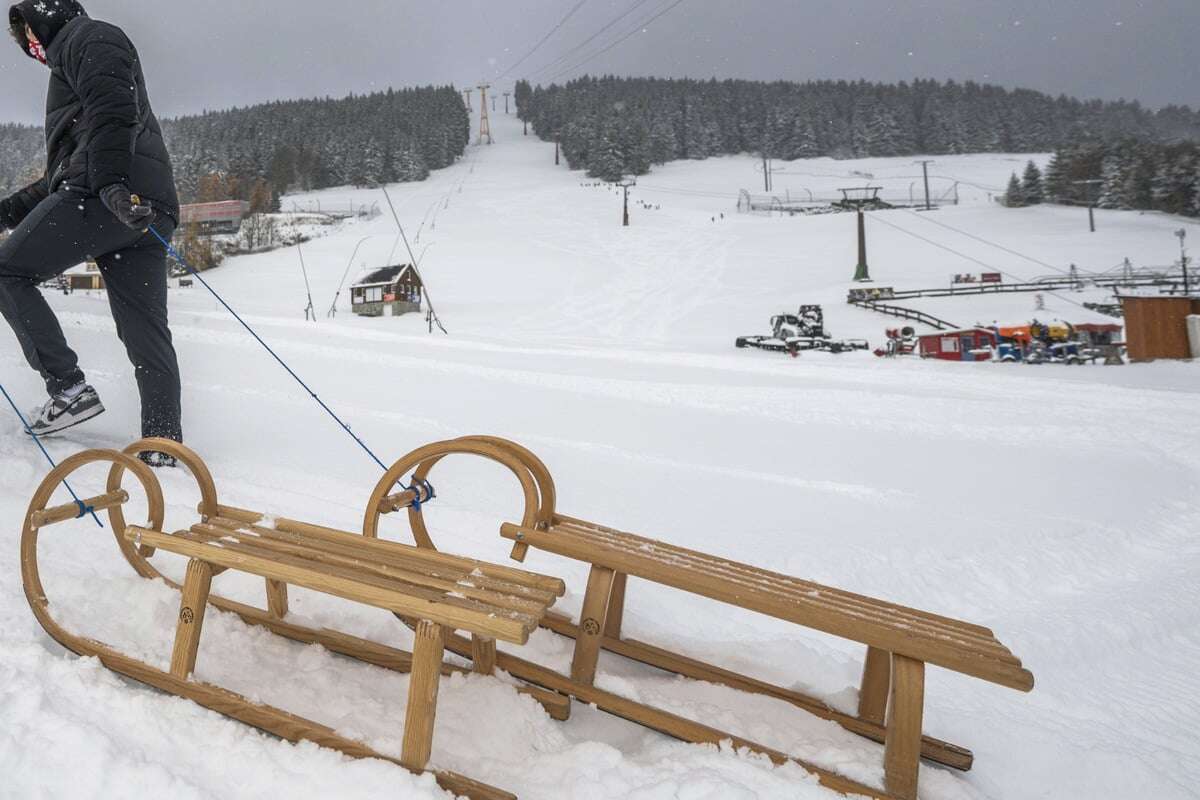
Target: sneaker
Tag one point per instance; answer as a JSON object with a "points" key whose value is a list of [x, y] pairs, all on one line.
{"points": [[157, 460], [66, 409]]}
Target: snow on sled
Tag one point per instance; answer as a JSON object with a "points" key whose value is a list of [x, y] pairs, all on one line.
{"points": [[443, 596]]}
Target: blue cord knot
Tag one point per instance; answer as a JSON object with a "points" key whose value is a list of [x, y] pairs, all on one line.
{"points": [[422, 491], [84, 509]]}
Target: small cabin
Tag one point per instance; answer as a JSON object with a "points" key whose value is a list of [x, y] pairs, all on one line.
{"points": [[83, 278], [387, 292], [971, 344], [223, 217]]}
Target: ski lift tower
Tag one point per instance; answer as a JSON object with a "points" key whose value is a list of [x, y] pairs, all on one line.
{"points": [[485, 125], [860, 198]]}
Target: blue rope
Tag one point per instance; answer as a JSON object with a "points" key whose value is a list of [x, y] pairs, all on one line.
{"points": [[180, 259], [84, 510]]}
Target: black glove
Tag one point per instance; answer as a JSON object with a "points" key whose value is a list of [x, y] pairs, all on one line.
{"points": [[121, 203]]}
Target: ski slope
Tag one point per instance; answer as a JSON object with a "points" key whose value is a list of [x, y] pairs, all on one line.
{"points": [[1056, 505]]}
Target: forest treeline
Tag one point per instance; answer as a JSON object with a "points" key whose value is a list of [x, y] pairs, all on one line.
{"points": [[259, 152], [1128, 174], [622, 126]]}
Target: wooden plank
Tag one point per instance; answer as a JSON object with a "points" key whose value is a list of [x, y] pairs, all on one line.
{"points": [[591, 625], [777, 585], [876, 684], [69, 511], [192, 604], [422, 695], [778, 580], [808, 612], [277, 598], [616, 606], [459, 584], [483, 654], [902, 751], [358, 572], [656, 719], [405, 558], [384, 548], [950, 755], [506, 629]]}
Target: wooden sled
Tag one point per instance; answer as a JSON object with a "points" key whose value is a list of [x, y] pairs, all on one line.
{"points": [[438, 593], [899, 640]]}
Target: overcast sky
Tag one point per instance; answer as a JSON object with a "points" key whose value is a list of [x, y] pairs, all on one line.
{"points": [[219, 53]]}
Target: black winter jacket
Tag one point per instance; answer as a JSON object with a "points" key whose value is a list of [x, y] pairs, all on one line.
{"points": [[100, 129]]}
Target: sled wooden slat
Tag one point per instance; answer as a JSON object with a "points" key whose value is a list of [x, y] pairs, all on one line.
{"points": [[891, 628], [464, 587], [385, 550], [362, 588]]}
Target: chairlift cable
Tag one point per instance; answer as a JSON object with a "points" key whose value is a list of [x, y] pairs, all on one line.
{"points": [[577, 48], [543, 40], [639, 27]]}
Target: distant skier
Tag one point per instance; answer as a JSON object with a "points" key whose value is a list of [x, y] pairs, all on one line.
{"points": [[108, 178]]}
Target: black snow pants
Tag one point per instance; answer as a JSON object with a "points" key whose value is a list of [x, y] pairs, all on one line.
{"points": [[64, 230]]}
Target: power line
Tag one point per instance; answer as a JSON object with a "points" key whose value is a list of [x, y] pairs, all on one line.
{"points": [[983, 264], [590, 39], [637, 28], [1008, 250], [544, 39]]}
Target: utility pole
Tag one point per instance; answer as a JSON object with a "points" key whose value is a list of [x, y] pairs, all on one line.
{"points": [[766, 172], [1093, 198], [1183, 259], [485, 125], [467, 95], [626, 185], [925, 169], [556, 148], [506, 96]]}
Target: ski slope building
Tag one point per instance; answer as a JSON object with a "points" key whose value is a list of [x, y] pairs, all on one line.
{"points": [[387, 292]]}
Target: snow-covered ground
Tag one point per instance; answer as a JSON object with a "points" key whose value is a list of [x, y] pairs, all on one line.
{"points": [[1057, 505]]}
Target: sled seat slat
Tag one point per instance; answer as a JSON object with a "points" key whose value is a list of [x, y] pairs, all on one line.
{"points": [[362, 579], [949, 643], [483, 573]]}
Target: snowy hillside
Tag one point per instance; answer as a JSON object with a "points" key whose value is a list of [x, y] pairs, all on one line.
{"points": [[1056, 505]]}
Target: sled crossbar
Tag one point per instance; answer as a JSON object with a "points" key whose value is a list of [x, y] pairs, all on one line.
{"points": [[69, 511]]}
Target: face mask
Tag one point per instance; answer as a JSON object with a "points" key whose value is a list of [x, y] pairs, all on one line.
{"points": [[37, 51]]}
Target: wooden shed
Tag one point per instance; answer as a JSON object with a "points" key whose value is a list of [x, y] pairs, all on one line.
{"points": [[1156, 327], [387, 292], [971, 344]]}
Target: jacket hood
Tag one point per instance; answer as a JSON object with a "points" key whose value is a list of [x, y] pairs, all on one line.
{"points": [[45, 17]]}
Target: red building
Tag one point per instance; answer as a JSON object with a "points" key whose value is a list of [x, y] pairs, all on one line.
{"points": [[971, 344]]}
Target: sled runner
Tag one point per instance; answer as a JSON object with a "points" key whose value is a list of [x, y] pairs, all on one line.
{"points": [[443, 596]]}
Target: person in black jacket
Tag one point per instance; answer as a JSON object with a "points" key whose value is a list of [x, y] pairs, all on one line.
{"points": [[108, 179]]}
